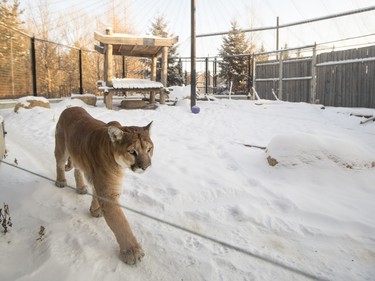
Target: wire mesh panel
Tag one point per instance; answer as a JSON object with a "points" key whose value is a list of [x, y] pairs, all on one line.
{"points": [[57, 69], [15, 64], [92, 71]]}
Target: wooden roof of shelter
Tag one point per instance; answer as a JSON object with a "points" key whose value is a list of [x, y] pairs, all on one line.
{"points": [[131, 45]]}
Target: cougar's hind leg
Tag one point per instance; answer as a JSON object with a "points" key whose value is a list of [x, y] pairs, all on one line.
{"points": [[61, 156], [81, 187]]}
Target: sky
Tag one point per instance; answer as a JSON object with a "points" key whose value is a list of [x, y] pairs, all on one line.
{"points": [[216, 16]]}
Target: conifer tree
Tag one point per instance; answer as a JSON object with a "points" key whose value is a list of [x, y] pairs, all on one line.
{"points": [[175, 77], [234, 68]]}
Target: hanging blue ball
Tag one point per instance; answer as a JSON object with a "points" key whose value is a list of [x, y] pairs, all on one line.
{"points": [[195, 109]]}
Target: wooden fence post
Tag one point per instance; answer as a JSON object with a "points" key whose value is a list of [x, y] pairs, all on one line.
{"points": [[207, 75], [248, 80], [313, 77], [280, 94], [254, 76], [214, 76]]}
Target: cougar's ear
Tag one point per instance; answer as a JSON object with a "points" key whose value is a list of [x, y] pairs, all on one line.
{"points": [[114, 123], [148, 127], [115, 134]]}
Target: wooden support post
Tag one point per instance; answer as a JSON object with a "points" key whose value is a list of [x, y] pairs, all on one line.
{"points": [[123, 67], [154, 61], [162, 96], [164, 66], [164, 73], [108, 64]]}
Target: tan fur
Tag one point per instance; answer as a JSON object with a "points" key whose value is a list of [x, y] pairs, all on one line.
{"points": [[101, 151]]}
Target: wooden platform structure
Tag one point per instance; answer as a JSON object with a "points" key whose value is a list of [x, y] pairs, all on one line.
{"points": [[152, 47]]}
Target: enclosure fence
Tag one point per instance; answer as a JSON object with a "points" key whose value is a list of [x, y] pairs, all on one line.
{"points": [[33, 66], [337, 78]]}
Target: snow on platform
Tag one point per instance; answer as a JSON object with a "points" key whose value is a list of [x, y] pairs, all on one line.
{"points": [[133, 83]]}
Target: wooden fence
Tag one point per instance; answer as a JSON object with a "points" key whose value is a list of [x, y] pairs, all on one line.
{"points": [[341, 78]]}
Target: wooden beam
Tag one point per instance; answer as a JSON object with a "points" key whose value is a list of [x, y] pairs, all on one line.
{"points": [[127, 39], [99, 49]]}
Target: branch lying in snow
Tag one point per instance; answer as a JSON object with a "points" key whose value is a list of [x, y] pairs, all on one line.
{"points": [[253, 146], [372, 118]]}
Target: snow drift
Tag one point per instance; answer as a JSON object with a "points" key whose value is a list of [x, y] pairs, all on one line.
{"points": [[309, 213]]}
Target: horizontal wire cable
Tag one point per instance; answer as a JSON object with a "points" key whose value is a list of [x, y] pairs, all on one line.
{"points": [[206, 237]]}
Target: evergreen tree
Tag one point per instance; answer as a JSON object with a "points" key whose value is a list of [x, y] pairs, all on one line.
{"points": [[234, 68], [175, 77]]}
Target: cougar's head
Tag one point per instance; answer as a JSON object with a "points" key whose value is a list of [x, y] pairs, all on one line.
{"points": [[133, 147]]}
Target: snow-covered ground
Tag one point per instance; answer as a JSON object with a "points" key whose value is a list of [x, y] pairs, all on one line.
{"points": [[312, 214]]}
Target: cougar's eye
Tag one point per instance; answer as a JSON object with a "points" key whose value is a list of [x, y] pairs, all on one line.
{"points": [[133, 152], [149, 150]]}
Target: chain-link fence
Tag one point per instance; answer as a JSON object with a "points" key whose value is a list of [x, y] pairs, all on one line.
{"points": [[33, 66], [15, 64]]}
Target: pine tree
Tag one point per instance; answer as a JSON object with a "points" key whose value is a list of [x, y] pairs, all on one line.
{"points": [[175, 77], [234, 68]]}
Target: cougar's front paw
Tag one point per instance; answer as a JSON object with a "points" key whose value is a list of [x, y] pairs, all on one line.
{"points": [[82, 190], [61, 183], [96, 213], [132, 255]]}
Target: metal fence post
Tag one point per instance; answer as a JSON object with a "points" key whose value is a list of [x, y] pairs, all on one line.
{"points": [[80, 72], [33, 66], [193, 56]]}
